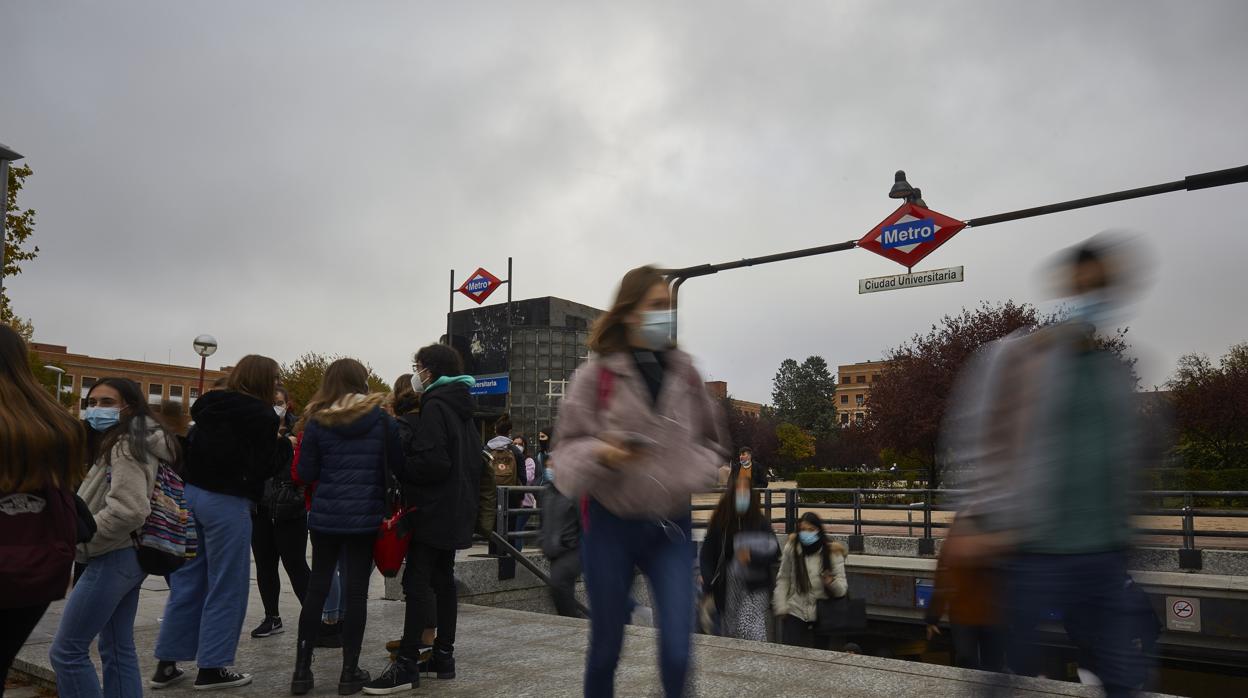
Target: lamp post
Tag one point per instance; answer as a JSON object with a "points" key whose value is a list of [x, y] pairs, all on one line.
{"points": [[205, 345], [60, 373], [6, 156]]}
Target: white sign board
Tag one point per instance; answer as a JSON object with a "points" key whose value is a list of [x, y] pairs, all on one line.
{"points": [[949, 275], [1183, 614]]}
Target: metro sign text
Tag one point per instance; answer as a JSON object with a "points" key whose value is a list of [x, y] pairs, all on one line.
{"points": [[480, 285], [910, 233], [907, 233]]}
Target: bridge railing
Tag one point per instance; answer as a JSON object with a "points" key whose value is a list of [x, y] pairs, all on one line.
{"points": [[855, 510]]}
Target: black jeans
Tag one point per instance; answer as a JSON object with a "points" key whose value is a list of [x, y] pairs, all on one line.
{"points": [[798, 633], [979, 647], [16, 624], [272, 541], [356, 554], [563, 573], [432, 572]]}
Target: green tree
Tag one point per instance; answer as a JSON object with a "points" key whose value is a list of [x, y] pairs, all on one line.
{"points": [[19, 226], [1211, 409], [796, 445], [803, 394], [302, 377]]}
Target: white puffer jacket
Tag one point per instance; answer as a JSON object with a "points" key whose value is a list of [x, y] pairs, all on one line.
{"points": [[789, 600]]}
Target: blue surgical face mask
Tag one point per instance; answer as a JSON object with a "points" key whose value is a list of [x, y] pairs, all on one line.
{"points": [[743, 502], [808, 537], [656, 328], [102, 418]]}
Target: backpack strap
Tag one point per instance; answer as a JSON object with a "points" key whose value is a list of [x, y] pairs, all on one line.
{"points": [[606, 383]]}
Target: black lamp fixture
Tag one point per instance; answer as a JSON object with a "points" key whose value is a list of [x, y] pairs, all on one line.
{"points": [[903, 190]]}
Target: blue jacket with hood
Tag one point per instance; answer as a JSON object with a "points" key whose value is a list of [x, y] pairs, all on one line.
{"points": [[345, 448]]}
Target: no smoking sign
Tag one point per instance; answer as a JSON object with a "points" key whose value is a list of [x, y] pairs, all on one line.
{"points": [[1183, 614]]}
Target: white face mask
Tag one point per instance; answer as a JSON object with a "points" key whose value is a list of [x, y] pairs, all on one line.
{"points": [[417, 385], [656, 328], [280, 410]]}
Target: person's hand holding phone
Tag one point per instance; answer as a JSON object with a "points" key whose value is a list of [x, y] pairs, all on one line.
{"points": [[620, 448]]}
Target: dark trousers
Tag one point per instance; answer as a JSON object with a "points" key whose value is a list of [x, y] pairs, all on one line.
{"points": [[273, 541], [563, 573], [798, 633], [1089, 590], [663, 550], [979, 647], [432, 573], [356, 555], [16, 624]]}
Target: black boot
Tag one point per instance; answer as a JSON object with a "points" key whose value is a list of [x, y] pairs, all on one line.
{"points": [[353, 677], [301, 682], [442, 663]]}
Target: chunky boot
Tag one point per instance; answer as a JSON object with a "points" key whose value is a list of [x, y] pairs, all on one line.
{"points": [[301, 682], [442, 663], [353, 677]]}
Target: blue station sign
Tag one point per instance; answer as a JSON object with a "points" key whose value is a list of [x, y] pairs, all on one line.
{"points": [[491, 385]]}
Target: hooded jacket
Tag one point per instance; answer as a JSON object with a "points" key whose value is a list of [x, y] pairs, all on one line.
{"points": [[442, 468], [119, 495], [345, 450], [232, 448]]}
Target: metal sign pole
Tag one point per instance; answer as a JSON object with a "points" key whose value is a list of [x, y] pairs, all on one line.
{"points": [[450, 315]]}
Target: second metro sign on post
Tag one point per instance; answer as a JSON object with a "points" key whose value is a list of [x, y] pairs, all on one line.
{"points": [[910, 233], [480, 285]]}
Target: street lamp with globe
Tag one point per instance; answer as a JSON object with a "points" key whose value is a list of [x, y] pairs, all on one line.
{"points": [[205, 345]]}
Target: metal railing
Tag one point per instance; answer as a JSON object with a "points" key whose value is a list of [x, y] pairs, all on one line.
{"points": [[853, 508]]}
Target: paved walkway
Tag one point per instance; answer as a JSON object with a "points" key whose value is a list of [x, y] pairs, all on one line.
{"points": [[504, 652]]}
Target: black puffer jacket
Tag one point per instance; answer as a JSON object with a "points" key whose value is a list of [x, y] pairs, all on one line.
{"points": [[232, 447], [442, 468]]}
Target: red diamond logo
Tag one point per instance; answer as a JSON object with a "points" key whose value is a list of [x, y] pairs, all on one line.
{"points": [[480, 285], [910, 233]]}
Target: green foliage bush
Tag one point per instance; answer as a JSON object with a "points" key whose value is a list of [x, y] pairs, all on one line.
{"points": [[879, 480]]}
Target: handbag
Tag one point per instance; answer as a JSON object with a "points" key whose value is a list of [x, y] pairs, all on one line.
{"points": [[839, 615], [284, 500], [86, 521], [392, 537]]}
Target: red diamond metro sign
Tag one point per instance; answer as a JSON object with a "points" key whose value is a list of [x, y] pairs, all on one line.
{"points": [[910, 233], [480, 285]]}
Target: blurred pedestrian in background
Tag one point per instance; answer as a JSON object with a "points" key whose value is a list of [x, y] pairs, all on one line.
{"points": [[737, 554]]}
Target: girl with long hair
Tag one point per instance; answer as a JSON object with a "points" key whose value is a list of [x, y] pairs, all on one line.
{"points": [[118, 491], [812, 569], [348, 444], [638, 435], [41, 464], [231, 451]]}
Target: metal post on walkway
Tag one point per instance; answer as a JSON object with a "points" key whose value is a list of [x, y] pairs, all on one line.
{"points": [[502, 525], [927, 545], [1189, 555], [855, 540]]}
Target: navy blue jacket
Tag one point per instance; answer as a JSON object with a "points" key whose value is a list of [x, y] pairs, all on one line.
{"points": [[344, 451]]}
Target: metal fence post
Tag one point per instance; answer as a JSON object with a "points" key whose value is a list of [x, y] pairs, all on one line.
{"points": [[502, 524], [1189, 555], [855, 540], [927, 544], [767, 505], [790, 511]]}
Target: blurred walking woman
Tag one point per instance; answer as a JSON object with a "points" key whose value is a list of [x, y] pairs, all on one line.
{"points": [[231, 451], [348, 443], [118, 491], [41, 455], [736, 560], [638, 434]]}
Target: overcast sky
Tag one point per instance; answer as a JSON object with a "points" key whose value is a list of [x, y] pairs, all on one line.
{"points": [[293, 176]]}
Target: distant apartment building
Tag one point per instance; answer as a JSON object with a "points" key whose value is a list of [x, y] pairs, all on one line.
{"points": [[719, 391], [159, 382], [853, 384]]}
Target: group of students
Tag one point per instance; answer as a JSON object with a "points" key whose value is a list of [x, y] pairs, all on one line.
{"points": [[638, 435], [249, 473]]}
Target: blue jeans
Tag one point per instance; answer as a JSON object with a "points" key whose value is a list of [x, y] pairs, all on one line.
{"points": [[334, 603], [208, 594], [663, 551], [103, 603], [1088, 591]]}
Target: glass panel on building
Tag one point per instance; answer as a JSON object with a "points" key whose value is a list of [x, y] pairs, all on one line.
{"points": [[862, 379], [858, 400], [175, 394], [194, 395], [844, 399], [155, 392]]}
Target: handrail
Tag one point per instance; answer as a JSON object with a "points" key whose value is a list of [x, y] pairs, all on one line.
{"points": [[537, 571]]}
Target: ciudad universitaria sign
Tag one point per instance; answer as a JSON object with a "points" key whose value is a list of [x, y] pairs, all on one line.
{"points": [[906, 236]]}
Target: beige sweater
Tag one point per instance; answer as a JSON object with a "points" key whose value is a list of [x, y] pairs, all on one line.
{"points": [[788, 600], [121, 506]]}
